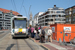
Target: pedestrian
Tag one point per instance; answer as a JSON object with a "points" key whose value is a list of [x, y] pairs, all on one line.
{"points": [[29, 32], [42, 35], [36, 27], [39, 27], [46, 36], [39, 30], [35, 32], [32, 32], [49, 34]]}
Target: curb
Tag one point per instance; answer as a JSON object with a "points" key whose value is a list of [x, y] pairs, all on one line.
{"points": [[46, 48]]}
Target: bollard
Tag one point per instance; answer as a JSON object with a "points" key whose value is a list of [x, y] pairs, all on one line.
{"points": [[74, 40], [60, 41]]}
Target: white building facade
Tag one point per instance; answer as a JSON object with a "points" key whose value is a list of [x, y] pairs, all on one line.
{"points": [[5, 18], [52, 16], [36, 18]]}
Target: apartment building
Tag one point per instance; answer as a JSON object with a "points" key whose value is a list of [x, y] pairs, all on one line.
{"points": [[36, 18], [70, 15], [52, 16], [5, 18]]}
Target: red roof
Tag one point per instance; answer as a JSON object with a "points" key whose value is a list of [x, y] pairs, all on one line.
{"points": [[7, 11]]}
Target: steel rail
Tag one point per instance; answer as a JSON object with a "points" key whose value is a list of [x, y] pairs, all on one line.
{"points": [[29, 45], [17, 45]]}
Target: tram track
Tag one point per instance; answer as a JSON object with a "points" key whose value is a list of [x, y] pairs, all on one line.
{"points": [[7, 43], [29, 45], [17, 45]]}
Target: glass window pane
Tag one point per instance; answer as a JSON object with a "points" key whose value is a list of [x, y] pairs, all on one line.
{"points": [[20, 23]]}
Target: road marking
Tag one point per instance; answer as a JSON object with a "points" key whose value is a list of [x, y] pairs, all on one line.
{"points": [[45, 47]]}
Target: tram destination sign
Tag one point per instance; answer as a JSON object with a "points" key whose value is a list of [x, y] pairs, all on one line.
{"points": [[20, 18]]}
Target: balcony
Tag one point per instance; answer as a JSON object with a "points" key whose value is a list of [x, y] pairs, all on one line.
{"points": [[6, 19], [7, 24], [41, 20], [55, 18], [60, 21], [50, 18], [1, 21], [1, 17], [56, 14], [60, 17]]}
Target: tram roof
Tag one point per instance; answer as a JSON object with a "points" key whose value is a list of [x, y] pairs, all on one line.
{"points": [[19, 17]]}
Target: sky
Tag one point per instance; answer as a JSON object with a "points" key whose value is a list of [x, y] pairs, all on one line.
{"points": [[24, 7]]}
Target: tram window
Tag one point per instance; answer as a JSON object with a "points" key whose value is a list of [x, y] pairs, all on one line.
{"points": [[13, 24]]}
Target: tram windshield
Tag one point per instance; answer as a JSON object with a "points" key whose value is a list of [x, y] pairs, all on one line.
{"points": [[20, 24]]}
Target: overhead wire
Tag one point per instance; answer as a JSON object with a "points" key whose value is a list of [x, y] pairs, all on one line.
{"points": [[29, 11], [25, 11], [15, 5], [12, 4], [21, 5]]}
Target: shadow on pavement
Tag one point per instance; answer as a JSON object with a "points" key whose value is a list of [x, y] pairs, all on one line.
{"points": [[20, 37], [9, 47]]}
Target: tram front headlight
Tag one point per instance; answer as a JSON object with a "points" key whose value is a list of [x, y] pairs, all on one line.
{"points": [[24, 30]]}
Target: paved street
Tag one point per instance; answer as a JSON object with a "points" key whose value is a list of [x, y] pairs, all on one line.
{"points": [[54, 45], [3, 33], [7, 43]]}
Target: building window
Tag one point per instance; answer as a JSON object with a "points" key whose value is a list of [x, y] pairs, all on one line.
{"points": [[57, 19], [73, 10], [70, 12], [63, 15], [6, 15], [0, 14], [59, 15], [54, 11], [73, 19], [63, 19], [51, 19], [51, 11], [67, 12], [49, 16], [69, 19], [62, 12], [58, 12], [53, 15], [56, 15]]}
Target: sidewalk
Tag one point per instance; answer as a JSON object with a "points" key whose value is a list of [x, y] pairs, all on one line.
{"points": [[2, 31], [54, 45]]}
